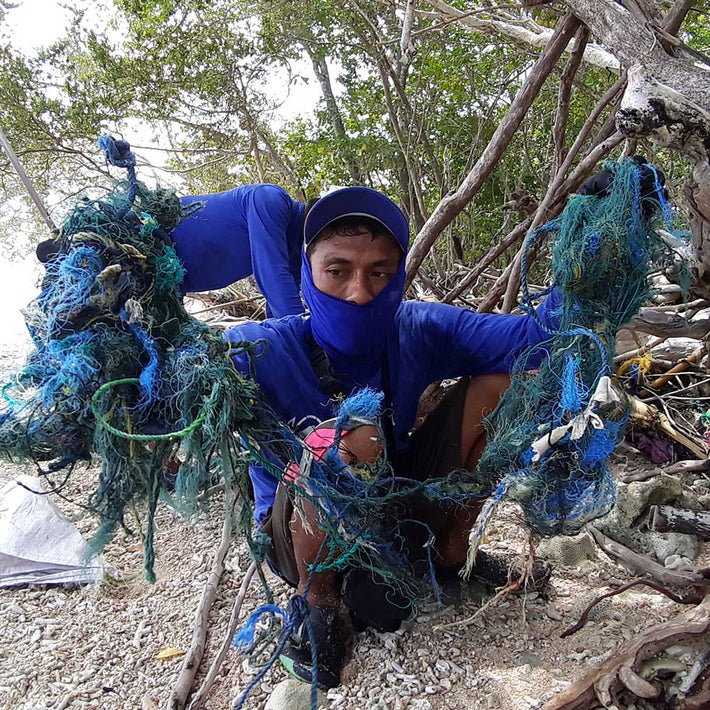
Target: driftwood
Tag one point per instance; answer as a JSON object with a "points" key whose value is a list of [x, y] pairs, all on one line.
{"points": [[603, 682], [200, 697], [191, 662], [668, 324], [674, 350], [688, 467], [676, 468], [641, 564], [665, 518]]}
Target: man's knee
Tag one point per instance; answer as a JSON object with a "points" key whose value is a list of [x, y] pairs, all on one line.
{"points": [[361, 445], [484, 393]]}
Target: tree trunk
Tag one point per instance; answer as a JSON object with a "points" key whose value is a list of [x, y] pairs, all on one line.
{"points": [[320, 69]]}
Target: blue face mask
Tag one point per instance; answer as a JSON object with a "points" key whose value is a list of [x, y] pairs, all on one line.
{"points": [[347, 331]]}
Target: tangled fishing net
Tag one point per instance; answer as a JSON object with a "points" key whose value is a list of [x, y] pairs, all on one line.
{"points": [[553, 431], [122, 372], [119, 368]]}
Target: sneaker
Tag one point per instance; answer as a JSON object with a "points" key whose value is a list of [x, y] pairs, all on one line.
{"points": [[333, 636], [499, 571], [374, 602]]}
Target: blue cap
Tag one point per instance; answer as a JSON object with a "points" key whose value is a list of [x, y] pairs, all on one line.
{"points": [[357, 202]]}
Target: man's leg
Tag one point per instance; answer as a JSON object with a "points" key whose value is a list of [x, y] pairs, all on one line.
{"points": [[454, 523], [330, 621], [482, 397], [361, 445], [308, 542]]}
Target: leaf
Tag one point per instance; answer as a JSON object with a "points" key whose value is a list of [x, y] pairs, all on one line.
{"points": [[167, 654]]}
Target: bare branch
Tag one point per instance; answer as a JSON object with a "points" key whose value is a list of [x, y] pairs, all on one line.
{"points": [[494, 251], [593, 54], [451, 205], [674, 19], [559, 128]]}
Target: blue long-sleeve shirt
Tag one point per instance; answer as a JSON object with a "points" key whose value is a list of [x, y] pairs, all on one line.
{"points": [[254, 229], [430, 342]]}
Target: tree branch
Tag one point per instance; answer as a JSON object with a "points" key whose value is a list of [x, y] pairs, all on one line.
{"points": [[559, 128], [494, 251], [451, 205], [593, 54]]}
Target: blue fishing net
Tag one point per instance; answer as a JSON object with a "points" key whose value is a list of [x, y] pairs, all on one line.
{"points": [[553, 431]]}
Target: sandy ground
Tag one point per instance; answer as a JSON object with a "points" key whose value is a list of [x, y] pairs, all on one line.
{"points": [[96, 646]]}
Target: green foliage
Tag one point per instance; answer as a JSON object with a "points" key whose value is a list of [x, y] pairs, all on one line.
{"points": [[695, 31], [209, 77]]}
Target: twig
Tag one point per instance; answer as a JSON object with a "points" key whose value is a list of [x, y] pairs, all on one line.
{"points": [[557, 192], [559, 128], [494, 251], [201, 696], [209, 492], [688, 467], [466, 622], [515, 585], [691, 386], [690, 599], [191, 661], [682, 366], [550, 209]]}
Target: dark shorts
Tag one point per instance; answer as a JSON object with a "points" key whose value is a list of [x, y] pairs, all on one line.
{"points": [[434, 451]]}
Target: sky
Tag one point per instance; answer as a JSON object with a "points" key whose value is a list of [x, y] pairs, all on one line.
{"points": [[32, 24], [37, 23]]}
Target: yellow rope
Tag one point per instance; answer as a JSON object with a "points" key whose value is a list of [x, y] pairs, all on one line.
{"points": [[643, 363]]}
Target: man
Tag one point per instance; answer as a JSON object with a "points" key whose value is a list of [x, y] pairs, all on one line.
{"points": [[254, 229], [359, 333]]}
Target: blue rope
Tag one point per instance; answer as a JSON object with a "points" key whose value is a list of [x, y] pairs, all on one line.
{"points": [[296, 615], [149, 374], [666, 208], [119, 153]]}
